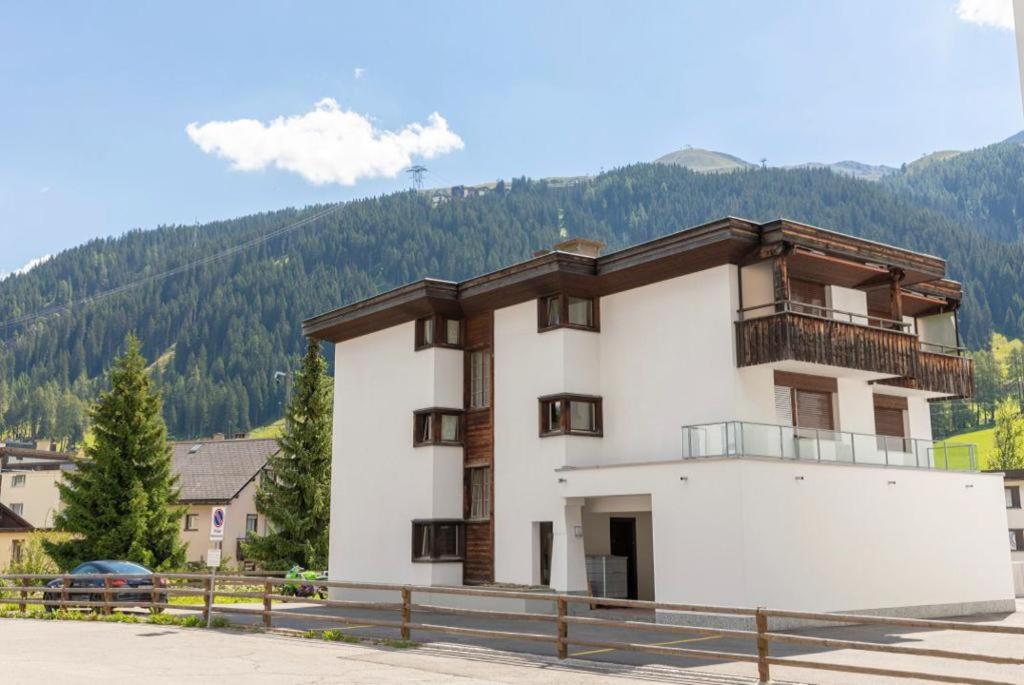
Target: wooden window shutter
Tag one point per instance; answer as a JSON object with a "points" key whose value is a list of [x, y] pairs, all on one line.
{"points": [[814, 410], [807, 291], [889, 421], [784, 405]]}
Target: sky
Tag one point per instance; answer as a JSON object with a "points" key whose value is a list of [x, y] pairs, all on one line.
{"points": [[115, 116]]}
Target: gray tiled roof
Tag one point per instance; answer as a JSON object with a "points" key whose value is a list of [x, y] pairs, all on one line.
{"points": [[218, 469]]}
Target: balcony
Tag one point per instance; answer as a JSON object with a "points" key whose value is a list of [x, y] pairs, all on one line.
{"points": [[748, 439], [794, 331]]}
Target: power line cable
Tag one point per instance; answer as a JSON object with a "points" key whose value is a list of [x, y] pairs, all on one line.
{"points": [[51, 311]]}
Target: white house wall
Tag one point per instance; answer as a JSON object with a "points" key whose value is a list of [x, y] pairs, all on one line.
{"points": [[817, 537], [380, 483]]}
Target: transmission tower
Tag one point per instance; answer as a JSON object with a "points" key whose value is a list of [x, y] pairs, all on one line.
{"points": [[417, 175]]}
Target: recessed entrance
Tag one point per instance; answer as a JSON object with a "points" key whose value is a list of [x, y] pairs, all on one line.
{"points": [[622, 543]]}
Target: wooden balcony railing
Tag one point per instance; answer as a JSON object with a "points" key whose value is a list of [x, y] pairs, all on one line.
{"points": [[817, 335], [807, 338]]}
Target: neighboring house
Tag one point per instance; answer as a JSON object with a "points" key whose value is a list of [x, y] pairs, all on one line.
{"points": [[734, 414], [15, 532], [1013, 482], [28, 483], [220, 472]]}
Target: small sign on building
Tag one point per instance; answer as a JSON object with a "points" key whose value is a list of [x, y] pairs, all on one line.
{"points": [[218, 515], [213, 557]]}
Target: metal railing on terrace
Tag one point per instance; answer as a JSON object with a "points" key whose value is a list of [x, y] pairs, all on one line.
{"points": [[751, 439]]}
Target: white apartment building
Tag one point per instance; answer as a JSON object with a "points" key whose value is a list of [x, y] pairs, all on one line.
{"points": [[734, 414]]}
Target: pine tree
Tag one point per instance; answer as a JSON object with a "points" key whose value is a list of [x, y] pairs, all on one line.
{"points": [[295, 492], [1009, 452], [121, 503]]}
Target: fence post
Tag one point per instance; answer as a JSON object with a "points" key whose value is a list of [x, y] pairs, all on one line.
{"points": [[65, 583], [153, 595], [24, 594], [563, 629], [267, 591], [207, 598], [406, 611], [106, 610], [763, 673]]}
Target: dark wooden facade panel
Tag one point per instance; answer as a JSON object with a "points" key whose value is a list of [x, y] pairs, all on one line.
{"points": [[943, 373], [478, 450]]}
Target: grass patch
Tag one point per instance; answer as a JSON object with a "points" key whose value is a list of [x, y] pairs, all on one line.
{"points": [[338, 635], [985, 439], [271, 430], [118, 617], [400, 644]]}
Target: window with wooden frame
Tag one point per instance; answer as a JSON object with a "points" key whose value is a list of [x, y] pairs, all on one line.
{"points": [[805, 401], [437, 427], [479, 481], [438, 540], [479, 379], [18, 481], [438, 331], [567, 414], [1016, 540], [563, 310], [191, 522], [1012, 495]]}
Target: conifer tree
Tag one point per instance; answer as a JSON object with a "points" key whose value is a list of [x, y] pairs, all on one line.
{"points": [[294, 493], [121, 503]]}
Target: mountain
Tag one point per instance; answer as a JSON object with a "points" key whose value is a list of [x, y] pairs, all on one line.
{"points": [[983, 189], [868, 172], [710, 161], [1016, 138], [218, 331], [705, 161]]}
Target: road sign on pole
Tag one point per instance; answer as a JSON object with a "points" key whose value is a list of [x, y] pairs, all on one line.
{"points": [[218, 515]]}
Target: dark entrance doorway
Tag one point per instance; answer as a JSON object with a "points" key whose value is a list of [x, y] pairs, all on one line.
{"points": [[546, 539], [622, 536]]}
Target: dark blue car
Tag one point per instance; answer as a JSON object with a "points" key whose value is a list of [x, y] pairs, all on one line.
{"points": [[119, 574]]}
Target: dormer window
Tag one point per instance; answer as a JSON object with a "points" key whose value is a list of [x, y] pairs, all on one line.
{"points": [[438, 331], [562, 310]]}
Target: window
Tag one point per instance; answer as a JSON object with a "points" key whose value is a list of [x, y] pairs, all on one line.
{"points": [[438, 331], [437, 427], [17, 546], [191, 521], [438, 540], [567, 311], [1012, 497], [805, 401], [479, 379], [1016, 540], [18, 480], [571, 414], [480, 493], [810, 293], [18, 508], [251, 521]]}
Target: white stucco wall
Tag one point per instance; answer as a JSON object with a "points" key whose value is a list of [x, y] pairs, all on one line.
{"points": [[380, 483], [841, 538], [38, 496]]}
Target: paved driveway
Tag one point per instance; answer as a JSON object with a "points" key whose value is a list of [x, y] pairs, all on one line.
{"points": [[1004, 645]]}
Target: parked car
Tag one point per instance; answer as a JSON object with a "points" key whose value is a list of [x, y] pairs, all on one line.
{"points": [[123, 574]]}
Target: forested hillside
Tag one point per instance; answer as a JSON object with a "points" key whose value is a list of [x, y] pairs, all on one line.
{"points": [[219, 331]]}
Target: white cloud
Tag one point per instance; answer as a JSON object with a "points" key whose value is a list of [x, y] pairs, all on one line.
{"points": [[28, 266], [326, 145], [997, 13], [359, 72]]}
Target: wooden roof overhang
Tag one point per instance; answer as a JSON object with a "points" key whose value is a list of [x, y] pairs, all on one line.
{"points": [[917, 267], [817, 253]]}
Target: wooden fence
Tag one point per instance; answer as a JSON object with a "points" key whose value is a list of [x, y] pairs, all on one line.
{"points": [[28, 590]]}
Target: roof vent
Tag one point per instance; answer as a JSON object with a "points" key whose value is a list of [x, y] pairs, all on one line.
{"points": [[581, 246], [218, 436], [195, 448]]}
